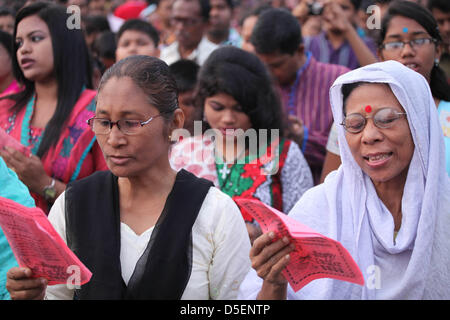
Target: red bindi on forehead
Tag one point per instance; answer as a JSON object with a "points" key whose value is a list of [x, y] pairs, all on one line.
{"points": [[368, 109]]}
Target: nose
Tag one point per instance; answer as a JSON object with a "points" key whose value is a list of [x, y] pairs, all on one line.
{"points": [[116, 138], [132, 49], [408, 51], [228, 117], [371, 133], [24, 48]]}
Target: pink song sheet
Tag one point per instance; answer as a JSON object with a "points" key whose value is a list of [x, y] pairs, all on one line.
{"points": [[37, 245], [7, 141], [315, 256]]}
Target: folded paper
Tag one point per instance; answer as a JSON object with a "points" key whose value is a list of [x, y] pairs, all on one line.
{"points": [[315, 256], [37, 245]]}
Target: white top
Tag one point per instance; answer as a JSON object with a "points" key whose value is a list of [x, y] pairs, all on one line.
{"points": [[170, 54], [221, 249]]}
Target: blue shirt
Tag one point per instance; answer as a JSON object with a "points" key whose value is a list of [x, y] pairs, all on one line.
{"points": [[13, 189]]}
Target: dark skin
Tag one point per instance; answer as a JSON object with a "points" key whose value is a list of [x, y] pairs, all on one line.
{"points": [[142, 175], [269, 258]]}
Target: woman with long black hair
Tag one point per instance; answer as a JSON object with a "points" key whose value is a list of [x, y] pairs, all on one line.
{"points": [[49, 115]]}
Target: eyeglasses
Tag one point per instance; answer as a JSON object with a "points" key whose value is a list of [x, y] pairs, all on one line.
{"points": [[129, 127], [415, 43], [383, 118]]}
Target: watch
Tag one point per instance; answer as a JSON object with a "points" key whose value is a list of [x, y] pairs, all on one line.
{"points": [[50, 191]]}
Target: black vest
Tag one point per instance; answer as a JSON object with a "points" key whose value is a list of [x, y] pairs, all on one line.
{"points": [[93, 234]]}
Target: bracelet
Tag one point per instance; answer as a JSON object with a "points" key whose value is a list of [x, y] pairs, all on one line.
{"points": [[50, 191]]}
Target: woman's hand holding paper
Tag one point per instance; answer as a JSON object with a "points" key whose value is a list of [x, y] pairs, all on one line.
{"points": [[269, 258], [22, 286]]}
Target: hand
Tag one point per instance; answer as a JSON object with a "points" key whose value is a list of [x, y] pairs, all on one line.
{"points": [[22, 287], [335, 18], [301, 11], [253, 231], [295, 129], [29, 169], [270, 258]]}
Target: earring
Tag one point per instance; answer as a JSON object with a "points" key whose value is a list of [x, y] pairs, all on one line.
{"points": [[436, 62]]}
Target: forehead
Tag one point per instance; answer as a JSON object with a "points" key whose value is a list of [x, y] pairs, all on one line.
{"points": [[440, 15], [218, 3], [376, 95], [398, 25], [134, 34], [122, 95], [223, 98], [7, 18], [346, 3], [31, 23], [182, 8], [275, 58]]}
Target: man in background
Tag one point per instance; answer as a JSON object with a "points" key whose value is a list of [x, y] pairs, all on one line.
{"points": [[190, 21]]}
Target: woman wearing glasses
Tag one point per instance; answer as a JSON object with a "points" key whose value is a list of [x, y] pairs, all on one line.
{"points": [[389, 201], [410, 35], [144, 230], [49, 115]]}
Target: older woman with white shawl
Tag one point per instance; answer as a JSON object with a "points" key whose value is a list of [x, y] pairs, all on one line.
{"points": [[388, 203]]}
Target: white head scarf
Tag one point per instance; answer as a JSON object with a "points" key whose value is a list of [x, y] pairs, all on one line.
{"points": [[346, 206]]}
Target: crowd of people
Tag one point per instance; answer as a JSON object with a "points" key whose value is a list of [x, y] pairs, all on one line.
{"points": [[148, 121]]}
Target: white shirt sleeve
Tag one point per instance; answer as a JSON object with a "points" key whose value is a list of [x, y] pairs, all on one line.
{"points": [[58, 220], [230, 262]]}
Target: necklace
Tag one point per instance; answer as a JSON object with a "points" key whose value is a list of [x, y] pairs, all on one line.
{"points": [[25, 137], [226, 169]]}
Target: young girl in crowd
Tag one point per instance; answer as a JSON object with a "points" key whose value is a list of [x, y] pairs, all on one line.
{"points": [[239, 102], [49, 115]]}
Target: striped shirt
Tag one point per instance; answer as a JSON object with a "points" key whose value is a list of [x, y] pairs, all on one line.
{"points": [[324, 52], [310, 94]]}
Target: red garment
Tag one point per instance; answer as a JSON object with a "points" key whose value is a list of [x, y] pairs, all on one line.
{"points": [[76, 154], [130, 9]]}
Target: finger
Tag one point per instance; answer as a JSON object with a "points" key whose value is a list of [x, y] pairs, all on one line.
{"points": [[17, 273], [26, 284], [261, 242], [15, 154], [276, 271], [33, 294], [266, 269], [10, 161], [269, 251], [5, 155]]}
